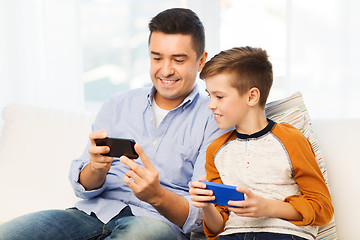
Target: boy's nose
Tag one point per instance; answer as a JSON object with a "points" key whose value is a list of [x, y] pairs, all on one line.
{"points": [[211, 105]]}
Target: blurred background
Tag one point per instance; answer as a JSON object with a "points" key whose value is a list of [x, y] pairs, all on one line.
{"points": [[73, 54]]}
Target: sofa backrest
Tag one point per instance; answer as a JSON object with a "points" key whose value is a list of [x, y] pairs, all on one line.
{"points": [[37, 146]]}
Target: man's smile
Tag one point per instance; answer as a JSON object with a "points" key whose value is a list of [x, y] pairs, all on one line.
{"points": [[168, 81]]}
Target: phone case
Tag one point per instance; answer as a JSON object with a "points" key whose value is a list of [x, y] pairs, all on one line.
{"points": [[223, 193], [118, 147]]}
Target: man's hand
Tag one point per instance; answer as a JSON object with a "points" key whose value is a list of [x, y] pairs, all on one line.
{"points": [[143, 181], [99, 163], [94, 174]]}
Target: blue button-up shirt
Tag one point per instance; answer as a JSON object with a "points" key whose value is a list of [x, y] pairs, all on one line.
{"points": [[176, 148]]}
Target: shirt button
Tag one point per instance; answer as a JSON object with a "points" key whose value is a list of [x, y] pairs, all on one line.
{"points": [[154, 142], [151, 119]]}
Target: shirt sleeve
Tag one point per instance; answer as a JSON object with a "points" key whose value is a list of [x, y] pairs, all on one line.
{"points": [[80, 191], [314, 200], [211, 132], [194, 219]]}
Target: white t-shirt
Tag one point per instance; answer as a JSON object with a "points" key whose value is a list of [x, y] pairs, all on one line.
{"points": [[159, 113]]}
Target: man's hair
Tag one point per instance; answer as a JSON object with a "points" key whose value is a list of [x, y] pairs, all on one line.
{"points": [[180, 21], [248, 67]]}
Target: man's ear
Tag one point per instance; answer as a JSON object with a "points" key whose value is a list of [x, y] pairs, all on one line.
{"points": [[254, 96], [202, 60]]}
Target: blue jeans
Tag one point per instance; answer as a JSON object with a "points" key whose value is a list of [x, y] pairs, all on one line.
{"points": [[75, 224], [259, 236]]}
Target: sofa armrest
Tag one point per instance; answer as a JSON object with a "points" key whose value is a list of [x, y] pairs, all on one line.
{"points": [[338, 141]]}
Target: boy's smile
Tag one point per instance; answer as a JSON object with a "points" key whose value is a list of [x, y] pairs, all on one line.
{"points": [[217, 116]]}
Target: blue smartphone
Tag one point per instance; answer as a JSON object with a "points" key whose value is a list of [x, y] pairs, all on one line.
{"points": [[224, 193]]}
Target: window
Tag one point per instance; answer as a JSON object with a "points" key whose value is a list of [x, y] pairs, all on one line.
{"points": [[261, 24], [114, 37], [312, 51]]}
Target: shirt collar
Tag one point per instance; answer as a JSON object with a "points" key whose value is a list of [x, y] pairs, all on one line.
{"points": [[262, 132], [188, 100], [151, 94]]}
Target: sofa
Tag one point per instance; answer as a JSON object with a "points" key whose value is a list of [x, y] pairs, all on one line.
{"points": [[37, 146]]}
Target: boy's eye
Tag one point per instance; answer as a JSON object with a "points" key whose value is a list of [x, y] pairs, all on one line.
{"points": [[218, 97]]}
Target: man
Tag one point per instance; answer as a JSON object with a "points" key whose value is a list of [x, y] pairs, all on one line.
{"points": [[145, 198]]}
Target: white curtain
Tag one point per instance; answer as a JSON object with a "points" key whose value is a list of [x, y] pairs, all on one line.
{"points": [[313, 45], [324, 56], [40, 60]]}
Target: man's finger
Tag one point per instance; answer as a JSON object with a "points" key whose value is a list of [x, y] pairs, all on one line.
{"points": [[98, 134], [98, 149], [128, 181], [133, 175], [146, 161], [129, 162]]}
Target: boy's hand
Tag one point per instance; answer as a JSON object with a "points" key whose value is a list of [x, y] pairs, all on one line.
{"points": [[253, 205], [199, 194]]}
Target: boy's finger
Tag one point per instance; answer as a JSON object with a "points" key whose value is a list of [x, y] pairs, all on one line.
{"points": [[244, 190]]}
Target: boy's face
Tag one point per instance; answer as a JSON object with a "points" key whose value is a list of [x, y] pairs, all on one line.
{"points": [[173, 67], [229, 107]]}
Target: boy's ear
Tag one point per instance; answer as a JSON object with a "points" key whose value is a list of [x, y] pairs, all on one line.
{"points": [[254, 96]]}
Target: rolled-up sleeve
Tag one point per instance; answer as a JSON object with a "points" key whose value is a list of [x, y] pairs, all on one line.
{"points": [[194, 219], [77, 166]]}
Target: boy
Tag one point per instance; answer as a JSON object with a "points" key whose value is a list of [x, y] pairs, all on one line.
{"points": [[271, 163]]}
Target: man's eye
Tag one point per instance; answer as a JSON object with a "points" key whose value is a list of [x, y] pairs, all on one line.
{"points": [[219, 97], [179, 60], [157, 59]]}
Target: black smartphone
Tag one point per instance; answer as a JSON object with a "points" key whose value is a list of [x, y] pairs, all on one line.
{"points": [[118, 147]]}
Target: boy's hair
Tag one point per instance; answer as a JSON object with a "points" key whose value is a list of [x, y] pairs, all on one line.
{"points": [[180, 21], [249, 67]]}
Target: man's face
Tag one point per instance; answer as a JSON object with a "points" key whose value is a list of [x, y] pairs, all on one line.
{"points": [[173, 67]]}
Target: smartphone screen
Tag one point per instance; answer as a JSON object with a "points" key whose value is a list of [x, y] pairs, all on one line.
{"points": [[118, 147]]}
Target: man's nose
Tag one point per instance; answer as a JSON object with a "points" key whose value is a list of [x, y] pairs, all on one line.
{"points": [[167, 69]]}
